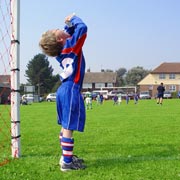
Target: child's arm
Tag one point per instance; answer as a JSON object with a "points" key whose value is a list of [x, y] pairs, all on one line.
{"points": [[68, 20], [78, 31]]}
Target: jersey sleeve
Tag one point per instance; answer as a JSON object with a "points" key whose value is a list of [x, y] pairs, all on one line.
{"points": [[78, 32]]}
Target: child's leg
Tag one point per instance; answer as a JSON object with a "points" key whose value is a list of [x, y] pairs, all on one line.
{"points": [[60, 140], [67, 144], [60, 136], [69, 162], [87, 105], [157, 100], [90, 104], [161, 100]]}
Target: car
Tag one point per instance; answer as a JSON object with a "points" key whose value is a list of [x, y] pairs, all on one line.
{"points": [[178, 94], [167, 95], [144, 95], [51, 97], [28, 97]]}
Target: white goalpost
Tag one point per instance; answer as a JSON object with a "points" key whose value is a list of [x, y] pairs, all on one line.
{"points": [[9, 80], [15, 78]]}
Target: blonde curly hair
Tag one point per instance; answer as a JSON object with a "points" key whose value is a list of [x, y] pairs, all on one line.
{"points": [[49, 44]]}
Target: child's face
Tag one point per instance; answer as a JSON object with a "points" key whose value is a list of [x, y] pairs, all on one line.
{"points": [[61, 36]]}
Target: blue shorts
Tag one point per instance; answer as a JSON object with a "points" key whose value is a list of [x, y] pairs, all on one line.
{"points": [[160, 95], [70, 107]]}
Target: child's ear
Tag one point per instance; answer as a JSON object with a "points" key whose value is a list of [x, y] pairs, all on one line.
{"points": [[60, 40]]}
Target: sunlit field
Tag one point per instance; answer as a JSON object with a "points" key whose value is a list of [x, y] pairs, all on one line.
{"points": [[126, 142]]}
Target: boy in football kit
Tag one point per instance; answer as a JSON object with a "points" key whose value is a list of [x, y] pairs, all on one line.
{"points": [[160, 94], [66, 46]]}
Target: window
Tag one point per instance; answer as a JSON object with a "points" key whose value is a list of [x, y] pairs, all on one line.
{"points": [[172, 88], [109, 84], [99, 85], [172, 76], [162, 76], [87, 85]]}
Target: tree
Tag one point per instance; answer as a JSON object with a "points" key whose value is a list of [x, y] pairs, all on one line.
{"points": [[135, 75], [39, 73], [120, 76], [108, 70]]}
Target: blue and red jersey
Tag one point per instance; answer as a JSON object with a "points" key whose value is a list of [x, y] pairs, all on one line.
{"points": [[71, 58]]}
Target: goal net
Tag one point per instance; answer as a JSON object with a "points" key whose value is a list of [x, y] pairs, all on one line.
{"points": [[9, 81]]}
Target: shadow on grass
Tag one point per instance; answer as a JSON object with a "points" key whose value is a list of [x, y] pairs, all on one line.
{"points": [[133, 159], [138, 153]]}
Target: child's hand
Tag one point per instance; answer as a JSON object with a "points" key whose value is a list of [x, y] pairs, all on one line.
{"points": [[68, 18]]}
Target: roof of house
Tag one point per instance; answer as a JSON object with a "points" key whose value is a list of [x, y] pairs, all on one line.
{"points": [[149, 79], [100, 77], [167, 68], [5, 79]]}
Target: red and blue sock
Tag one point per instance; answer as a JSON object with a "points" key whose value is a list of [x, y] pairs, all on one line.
{"points": [[67, 145]]}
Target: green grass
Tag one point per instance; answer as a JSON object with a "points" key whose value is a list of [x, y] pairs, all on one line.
{"points": [[126, 142]]}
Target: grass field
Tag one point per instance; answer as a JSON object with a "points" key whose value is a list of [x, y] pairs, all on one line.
{"points": [[126, 142]]}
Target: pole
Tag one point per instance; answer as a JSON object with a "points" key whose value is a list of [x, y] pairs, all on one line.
{"points": [[15, 78]]}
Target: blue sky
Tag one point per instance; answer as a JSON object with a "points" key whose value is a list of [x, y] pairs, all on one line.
{"points": [[121, 33]]}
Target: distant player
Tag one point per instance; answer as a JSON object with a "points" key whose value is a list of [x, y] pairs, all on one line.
{"points": [[101, 99], [119, 99], [127, 98], [136, 97], [66, 45], [98, 100], [115, 99], [88, 99], [160, 94]]}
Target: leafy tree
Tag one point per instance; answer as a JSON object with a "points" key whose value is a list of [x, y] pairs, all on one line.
{"points": [[56, 84], [135, 75], [39, 73], [120, 76], [108, 70]]}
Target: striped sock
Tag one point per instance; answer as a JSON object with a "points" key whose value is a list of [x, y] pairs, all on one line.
{"points": [[67, 148]]}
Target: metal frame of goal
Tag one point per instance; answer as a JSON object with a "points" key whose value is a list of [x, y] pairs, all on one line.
{"points": [[10, 67], [15, 79]]}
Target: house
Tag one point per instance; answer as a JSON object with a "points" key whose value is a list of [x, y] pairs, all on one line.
{"points": [[168, 73], [97, 80], [4, 88]]}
